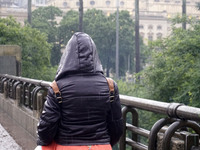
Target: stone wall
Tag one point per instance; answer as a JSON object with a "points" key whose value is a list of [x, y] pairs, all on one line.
{"points": [[10, 60], [21, 115]]}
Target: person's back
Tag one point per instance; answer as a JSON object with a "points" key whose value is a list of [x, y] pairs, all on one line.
{"points": [[86, 115], [84, 110]]}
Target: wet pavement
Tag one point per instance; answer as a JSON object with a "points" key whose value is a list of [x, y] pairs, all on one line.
{"points": [[13, 136], [6, 141]]}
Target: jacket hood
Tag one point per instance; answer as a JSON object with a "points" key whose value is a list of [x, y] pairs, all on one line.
{"points": [[80, 56]]}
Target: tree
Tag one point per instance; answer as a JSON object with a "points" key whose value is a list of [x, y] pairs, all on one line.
{"points": [[68, 26], [35, 48], [44, 19], [174, 73], [102, 30]]}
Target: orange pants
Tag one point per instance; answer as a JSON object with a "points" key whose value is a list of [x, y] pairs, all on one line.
{"points": [[55, 146]]}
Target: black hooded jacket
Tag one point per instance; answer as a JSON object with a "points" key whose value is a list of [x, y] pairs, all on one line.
{"points": [[86, 116]]}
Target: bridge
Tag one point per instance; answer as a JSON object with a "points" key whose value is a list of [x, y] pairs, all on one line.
{"points": [[22, 100]]}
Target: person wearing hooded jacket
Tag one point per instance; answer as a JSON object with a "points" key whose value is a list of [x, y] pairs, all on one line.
{"points": [[86, 117]]}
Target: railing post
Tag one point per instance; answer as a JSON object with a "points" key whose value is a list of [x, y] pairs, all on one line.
{"points": [[191, 140], [39, 105], [18, 94], [134, 114], [5, 88], [154, 131], [122, 143], [174, 127]]}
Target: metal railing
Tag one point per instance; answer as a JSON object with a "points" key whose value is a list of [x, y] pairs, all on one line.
{"points": [[29, 88], [178, 116]]}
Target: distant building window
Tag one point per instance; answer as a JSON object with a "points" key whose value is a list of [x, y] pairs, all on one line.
{"points": [[40, 1], [167, 1], [177, 1], [156, 0], [150, 27], [107, 3], [77, 3], [142, 34], [159, 27], [141, 27], [121, 3], [150, 36], [92, 3], [159, 35], [65, 4]]}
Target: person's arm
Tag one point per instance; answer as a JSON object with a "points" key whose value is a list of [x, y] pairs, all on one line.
{"points": [[49, 120], [115, 121]]}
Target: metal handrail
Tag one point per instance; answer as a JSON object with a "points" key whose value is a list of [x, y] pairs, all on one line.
{"points": [[176, 112], [29, 89], [28, 80]]}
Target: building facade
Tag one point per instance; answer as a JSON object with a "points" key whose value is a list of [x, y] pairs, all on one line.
{"points": [[154, 14]]}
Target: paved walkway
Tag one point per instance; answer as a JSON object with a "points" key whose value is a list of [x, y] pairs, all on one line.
{"points": [[6, 141], [13, 136]]}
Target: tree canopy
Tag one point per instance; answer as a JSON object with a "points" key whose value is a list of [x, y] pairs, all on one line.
{"points": [[35, 48], [44, 19], [103, 31], [174, 74]]}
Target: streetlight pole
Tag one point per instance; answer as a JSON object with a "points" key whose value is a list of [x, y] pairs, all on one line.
{"points": [[117, 41], [137, 38], [81, 15], [184, 13], [29, 11]]}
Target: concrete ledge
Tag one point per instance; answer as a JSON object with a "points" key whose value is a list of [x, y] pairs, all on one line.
{"points": [[19, 122], [176, 144]]}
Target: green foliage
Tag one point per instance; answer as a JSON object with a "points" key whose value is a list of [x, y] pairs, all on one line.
{"points": [[68, 26], [44, 19], [174, 73], [102, 29], [35, 49], [98, 25], [146, 119]]}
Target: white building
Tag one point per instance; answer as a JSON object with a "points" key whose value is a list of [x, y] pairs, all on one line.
{"points": [[154, 14]]}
